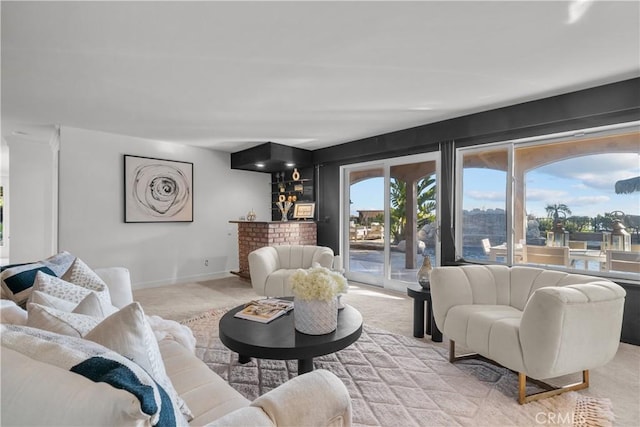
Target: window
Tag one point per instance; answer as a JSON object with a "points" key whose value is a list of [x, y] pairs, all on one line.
{"points": [[555, 204], [484, 204]]}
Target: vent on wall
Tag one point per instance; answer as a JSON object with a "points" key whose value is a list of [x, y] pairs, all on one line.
{"points": [[271, 157]]}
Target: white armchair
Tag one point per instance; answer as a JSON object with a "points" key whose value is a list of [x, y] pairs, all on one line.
{"points": [[539, 323], [271, 266]]}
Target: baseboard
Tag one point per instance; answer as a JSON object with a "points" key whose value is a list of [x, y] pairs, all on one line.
{"points": [[178, 280]]}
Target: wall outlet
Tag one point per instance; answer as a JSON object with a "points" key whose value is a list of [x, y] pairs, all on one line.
{"points": [[206, 263]]}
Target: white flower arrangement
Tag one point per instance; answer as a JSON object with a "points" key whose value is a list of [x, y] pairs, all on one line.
{"points": [[317, 283]]}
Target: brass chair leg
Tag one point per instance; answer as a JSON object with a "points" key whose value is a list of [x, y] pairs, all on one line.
{"points": [[454, 358], [522, 379], [551, 391]]}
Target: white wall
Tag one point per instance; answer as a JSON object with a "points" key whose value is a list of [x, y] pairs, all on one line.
{"points": [[92, 204], [4, 182], [31, 176]]}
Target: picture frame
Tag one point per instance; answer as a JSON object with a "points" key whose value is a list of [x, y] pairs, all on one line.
{"points": [[157, 190], [304, 210]]}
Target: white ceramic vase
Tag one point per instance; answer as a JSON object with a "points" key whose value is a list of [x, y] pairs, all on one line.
{"points": [[315, 317]]}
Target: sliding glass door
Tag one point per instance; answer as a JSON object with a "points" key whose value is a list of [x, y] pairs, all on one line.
{"points": [[390, 219], [364, 230]]}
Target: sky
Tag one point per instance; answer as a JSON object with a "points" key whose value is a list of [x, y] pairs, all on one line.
{"points": [[585, 184]]}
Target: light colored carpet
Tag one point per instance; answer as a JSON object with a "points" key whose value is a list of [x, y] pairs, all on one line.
{"points": [[618, 381], [396, 380]]}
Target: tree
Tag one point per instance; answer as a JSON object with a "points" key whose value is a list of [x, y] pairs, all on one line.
{"points": [[379, 218], [603, 222], [398, 200], [426, 201], [545, 224], [426, 191], [578, 223], [554, 211]]}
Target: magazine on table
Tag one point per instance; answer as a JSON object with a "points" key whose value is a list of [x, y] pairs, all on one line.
{"points": [[265, 310]]}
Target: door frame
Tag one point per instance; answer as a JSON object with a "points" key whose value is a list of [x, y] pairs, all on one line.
{"points": [[385, 280]]}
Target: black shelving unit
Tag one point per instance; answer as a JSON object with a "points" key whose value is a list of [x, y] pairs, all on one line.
{"points": [[299, 190]]}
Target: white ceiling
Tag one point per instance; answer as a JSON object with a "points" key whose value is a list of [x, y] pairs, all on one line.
{"points": [[232, 75]]}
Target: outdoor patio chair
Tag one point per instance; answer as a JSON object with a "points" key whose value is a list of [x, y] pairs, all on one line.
{"points": [[547, 255], [577, 244], [623, 261]]}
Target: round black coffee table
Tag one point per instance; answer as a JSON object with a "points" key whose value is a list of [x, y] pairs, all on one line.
{"points": [[279, 340]]}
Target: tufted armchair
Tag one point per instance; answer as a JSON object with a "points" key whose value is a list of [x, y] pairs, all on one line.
{"points": [[539, 323], [271, 266]]}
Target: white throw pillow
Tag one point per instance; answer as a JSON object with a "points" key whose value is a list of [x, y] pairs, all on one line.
{"points": [[59, 262], [11, 314], [47, 300], [61, 322], [65, 290], [128, 333], [80, 274], [17, 280], [61, 400], [59, 288], [92, 305]]}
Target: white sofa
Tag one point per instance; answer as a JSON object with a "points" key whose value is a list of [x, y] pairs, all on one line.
{"points": [[271, 266], [539, 323], [37, 393]]}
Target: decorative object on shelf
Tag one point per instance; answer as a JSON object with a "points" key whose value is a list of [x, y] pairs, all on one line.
{"points": [[304, 210], [251, 216], [280, 180], [424, 274], [315, 299], [290, 185], [284, 207], [157, 190]]}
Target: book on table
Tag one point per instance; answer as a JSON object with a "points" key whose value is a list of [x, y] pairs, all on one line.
{"points": [[265, 310]]}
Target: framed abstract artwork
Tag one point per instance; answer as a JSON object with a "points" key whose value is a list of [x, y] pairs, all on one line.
{"points": [[157, 190]]}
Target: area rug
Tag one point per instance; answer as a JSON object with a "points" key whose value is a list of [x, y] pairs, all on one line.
{"points": [[395, 380]]}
